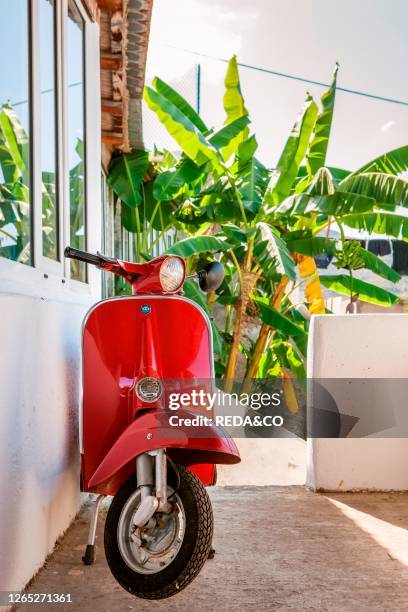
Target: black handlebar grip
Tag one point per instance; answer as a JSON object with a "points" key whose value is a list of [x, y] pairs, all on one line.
{"points": [[82, 256]]}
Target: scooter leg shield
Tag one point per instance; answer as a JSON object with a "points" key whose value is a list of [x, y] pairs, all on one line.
{"points": [[152, 431]]}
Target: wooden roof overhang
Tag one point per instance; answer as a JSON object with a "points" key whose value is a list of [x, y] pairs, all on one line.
{"points": [[124, 35]]}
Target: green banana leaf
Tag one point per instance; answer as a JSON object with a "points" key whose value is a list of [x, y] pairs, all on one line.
{"points": [[336, 204], [340, 283], [15, 190], [283, 354], [189, 138], [312, 246], [278, 321], [237, 234], [14, 146], [316, 157], [386, 189], [252, 176], [245, 155], [130, 218], [318, 245], [227, 300], [251, 186], [322, 183], [272, 254], [198, 244], [167, 185], [126, 174], [223, 137], [337, 173], [158, 213], [392, 162], [13, 211], [380, 222], [378, 266], [234, 106], [292, 155], [175, 98]]}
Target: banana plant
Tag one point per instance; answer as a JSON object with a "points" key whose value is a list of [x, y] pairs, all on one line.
{"points": [[14, 187], [15, 226], [266, 224]]}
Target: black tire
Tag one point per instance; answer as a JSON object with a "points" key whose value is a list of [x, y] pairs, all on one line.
{"points": [[190, 558]]}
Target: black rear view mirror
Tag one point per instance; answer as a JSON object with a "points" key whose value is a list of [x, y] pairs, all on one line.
{"points": [[211, 277]]}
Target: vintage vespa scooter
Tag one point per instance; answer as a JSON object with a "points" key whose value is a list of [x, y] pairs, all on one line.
{"points": [[159, 527]]}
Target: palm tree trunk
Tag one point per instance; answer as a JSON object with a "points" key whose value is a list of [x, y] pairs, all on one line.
{"points": [[265, 335], [247, 283]]}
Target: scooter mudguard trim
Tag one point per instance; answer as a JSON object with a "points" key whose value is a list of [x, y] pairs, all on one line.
{"points": [[189, 446]]}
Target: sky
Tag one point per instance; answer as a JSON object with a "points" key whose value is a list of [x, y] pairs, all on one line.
{"points": [[300, 37]]}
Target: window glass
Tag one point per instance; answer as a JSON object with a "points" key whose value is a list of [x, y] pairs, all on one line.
{"points": [[76, 136], [15, 227], [48, 129]]}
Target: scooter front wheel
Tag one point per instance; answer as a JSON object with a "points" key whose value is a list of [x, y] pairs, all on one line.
{"points": [[161, 559]]}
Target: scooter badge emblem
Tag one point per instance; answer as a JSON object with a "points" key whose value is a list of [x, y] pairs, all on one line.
{"points": [[145, 308]]}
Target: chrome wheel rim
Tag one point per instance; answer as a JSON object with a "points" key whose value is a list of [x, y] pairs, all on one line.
{"points": [[151, 549]]}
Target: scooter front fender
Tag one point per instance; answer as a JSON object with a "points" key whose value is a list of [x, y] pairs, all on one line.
{"points": [[206, 444]]}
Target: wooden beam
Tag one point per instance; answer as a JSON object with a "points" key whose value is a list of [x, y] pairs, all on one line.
{"points": [[111, 61], [110, 5], [113, 107], [114, 138]]}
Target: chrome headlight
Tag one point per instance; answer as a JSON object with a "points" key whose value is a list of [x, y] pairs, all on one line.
{"points": [[171, 274], [148, 389]]}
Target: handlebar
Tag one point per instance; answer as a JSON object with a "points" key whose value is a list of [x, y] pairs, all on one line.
{"points": [[99, 260], [96, 260], [209, 279]]}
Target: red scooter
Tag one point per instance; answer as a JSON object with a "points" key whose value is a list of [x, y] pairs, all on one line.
{"points": [[137, 350]]}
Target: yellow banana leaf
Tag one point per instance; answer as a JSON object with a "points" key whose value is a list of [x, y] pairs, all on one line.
{"points": [[289, 391], [313, 289]]}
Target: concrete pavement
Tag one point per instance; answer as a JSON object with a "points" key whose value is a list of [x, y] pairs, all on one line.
{"points": [[277, 548]]}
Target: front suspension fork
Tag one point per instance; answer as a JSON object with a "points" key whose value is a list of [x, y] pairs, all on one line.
{"points": [[147, 478], [151, 472]]}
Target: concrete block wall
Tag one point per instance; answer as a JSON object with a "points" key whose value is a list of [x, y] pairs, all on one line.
{"points": [[363, 346]]}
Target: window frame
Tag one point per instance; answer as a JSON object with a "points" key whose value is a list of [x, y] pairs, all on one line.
{"points": [[65, 50], [43, 274], [29, 83], [38, 260]]}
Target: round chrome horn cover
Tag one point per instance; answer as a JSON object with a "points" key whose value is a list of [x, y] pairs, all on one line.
{"points": [[149, 389]]}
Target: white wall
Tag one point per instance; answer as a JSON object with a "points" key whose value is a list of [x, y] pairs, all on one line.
{"points": [[40, 333], [280, 462], [364, 346], [39, 382]]}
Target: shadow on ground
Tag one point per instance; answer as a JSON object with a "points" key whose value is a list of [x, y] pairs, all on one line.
{"points": [[277, 548]]}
